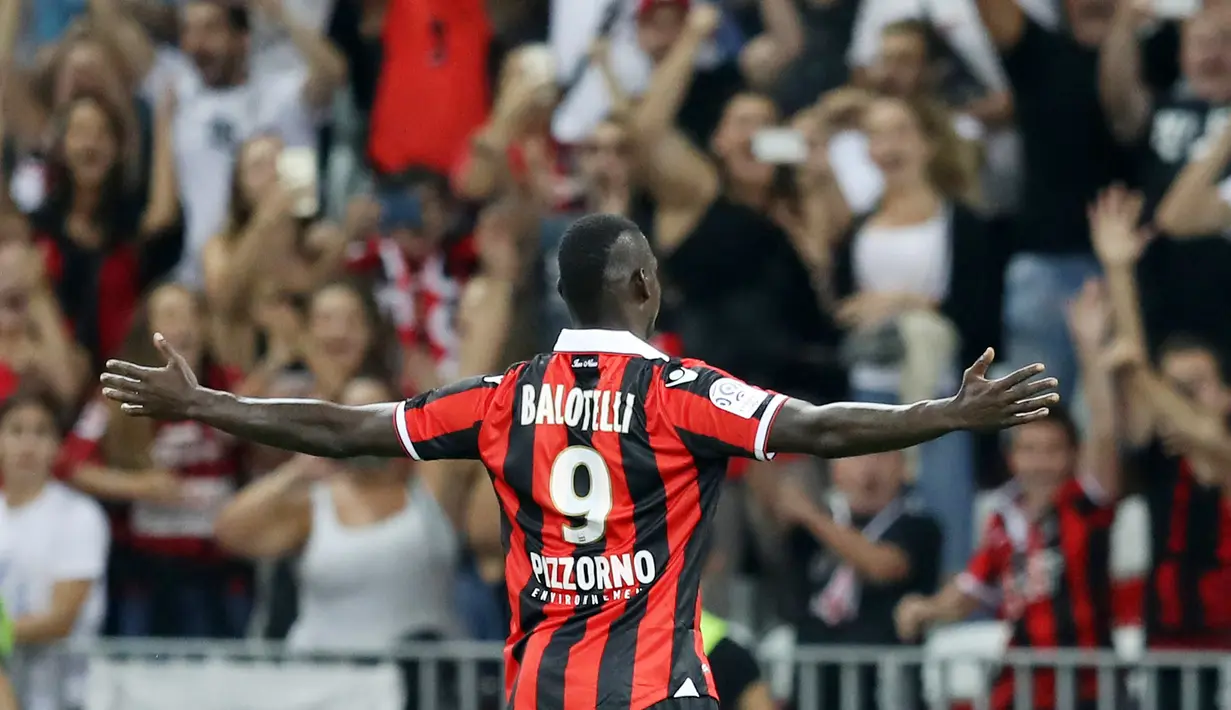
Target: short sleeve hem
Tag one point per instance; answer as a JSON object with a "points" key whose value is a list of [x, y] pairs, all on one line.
{"points": [[399, 425], [763, 428]]}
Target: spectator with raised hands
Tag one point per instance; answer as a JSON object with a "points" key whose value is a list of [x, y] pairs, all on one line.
{"points": [[35, 341], [271, 252], [1047, 538], [166, 481], [728, 265], [1178, 426], [93, 229], [1069, 154], [1185, 283], [503, 152], [916, 276], [53, 555], [1176, 124], [223, 105]]}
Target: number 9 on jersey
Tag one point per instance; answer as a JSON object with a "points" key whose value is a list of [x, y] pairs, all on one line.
{"points": [[594, 506]]}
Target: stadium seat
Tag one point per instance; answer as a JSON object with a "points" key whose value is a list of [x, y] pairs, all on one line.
{"points": [[965, 680]]}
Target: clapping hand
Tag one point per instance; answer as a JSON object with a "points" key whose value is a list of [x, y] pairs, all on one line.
{"points": [[1014, 399], [1089, 317]]}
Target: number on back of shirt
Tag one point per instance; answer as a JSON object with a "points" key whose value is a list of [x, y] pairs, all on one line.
{"points": [[580, 486]]}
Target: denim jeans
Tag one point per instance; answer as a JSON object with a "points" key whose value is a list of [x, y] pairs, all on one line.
{"points": [[945, 484], [1038, 288]]}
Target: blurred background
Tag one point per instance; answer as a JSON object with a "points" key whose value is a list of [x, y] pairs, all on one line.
{"points": [[359, 200]]}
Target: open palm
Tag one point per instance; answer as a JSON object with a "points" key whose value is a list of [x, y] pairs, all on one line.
{"points": [[1014, 399], [161, 392]]}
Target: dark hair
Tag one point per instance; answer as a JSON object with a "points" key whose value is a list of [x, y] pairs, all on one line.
{"points": [[1191, 342], [584, 252], [1059, 416], [34, 394], [114, 214], [381, 350], [237, 14]]}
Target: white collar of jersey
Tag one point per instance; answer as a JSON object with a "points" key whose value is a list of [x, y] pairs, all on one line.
{"points": [[620, 342]]}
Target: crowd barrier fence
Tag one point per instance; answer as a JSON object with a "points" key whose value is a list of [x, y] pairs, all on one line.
{"points": [[140, 674]]}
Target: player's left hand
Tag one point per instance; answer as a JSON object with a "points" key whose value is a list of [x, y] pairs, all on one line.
{"points": [[1014, 399], [161, 392]]}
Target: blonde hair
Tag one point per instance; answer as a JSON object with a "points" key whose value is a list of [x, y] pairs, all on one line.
{"points": [[954, 167]]}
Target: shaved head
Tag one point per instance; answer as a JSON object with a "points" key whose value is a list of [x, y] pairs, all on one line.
{"points": [[608, 274]]}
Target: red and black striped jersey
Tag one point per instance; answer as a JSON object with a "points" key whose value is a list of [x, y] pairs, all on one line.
{"points": [[607, 457], [1050, 578], [1187, 604]]}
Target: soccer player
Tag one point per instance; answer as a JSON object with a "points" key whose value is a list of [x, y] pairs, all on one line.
{"points": [[607, 457]]}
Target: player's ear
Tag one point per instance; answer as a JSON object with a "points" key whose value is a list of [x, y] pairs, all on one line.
{"points": [[641, 284]]}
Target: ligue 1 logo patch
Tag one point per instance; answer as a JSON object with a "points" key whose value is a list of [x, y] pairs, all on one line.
{"points": [[736, 397]]}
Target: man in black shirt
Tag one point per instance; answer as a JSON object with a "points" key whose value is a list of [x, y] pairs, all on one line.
{"points": [[854, 560], [1069, 155]]}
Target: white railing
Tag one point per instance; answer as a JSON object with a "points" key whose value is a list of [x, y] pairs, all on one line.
{"points": [[207, 675]]}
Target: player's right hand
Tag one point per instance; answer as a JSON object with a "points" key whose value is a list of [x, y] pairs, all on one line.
{"points": [[1014, 399], [166, 392], [910, 616]]}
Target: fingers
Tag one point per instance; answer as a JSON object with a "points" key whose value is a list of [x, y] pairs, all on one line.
{"points": [[1032, 388], [1015, 378], [1027, 417], [1034, 404], [127, 369], [173, 357], [979, 368]]}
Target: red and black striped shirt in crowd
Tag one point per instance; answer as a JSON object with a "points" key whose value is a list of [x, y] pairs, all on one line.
{"points": [[207, 461], [1050, 579], [607, 457], [1188, 595]]}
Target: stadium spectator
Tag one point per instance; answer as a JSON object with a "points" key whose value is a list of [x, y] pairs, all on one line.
{"points": [[1052, 519], [222, 105], [1184, 278], [270, 255], [411, 244], [729, 266], [53, 555], [911, 274], [102, 248], [1183, 453], [35, 342], [855, 557], [514, 147], [1069, 154], [170, 578]]}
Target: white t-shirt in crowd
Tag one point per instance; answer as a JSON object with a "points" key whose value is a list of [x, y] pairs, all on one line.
{"points": [[210, 126], [60, 536]]}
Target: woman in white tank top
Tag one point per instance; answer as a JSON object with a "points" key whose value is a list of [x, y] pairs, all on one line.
{"points": [[378, 549]]}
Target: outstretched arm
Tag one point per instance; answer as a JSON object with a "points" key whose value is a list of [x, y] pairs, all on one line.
{"points": [[441, 424], [852, 429]]}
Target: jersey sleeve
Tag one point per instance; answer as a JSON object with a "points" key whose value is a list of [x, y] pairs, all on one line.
{"points": [[981, 580], [716, 414], [444, 423]]}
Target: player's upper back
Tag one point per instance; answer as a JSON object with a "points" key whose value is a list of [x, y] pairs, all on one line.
{"points": [[613, 392], [605, 390]]}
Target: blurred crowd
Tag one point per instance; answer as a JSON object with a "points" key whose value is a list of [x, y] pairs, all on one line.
{"points": [[360, 200]]}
